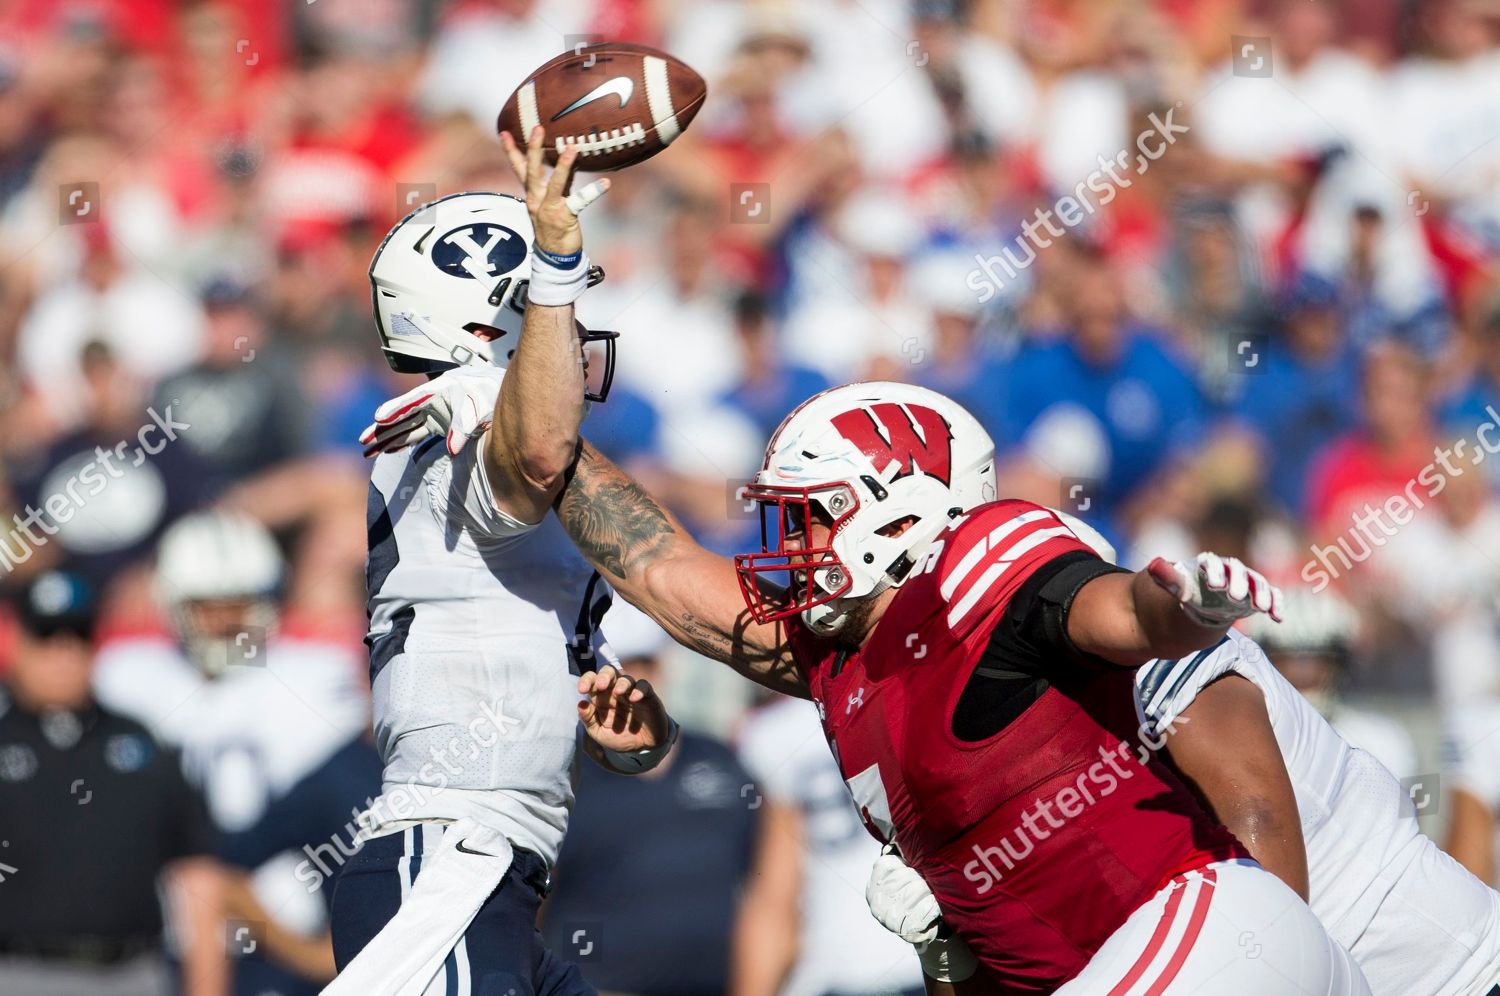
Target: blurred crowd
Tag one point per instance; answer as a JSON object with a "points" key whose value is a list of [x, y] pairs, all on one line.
{"points": [[1217, 274]]}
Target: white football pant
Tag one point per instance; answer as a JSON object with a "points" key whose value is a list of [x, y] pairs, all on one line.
{"points": [[1229, 929]]}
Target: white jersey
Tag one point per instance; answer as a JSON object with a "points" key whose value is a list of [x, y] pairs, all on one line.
{"points": [[247, 737], [478, 623], [1379, 736], [1412, 917], [841, 947]]}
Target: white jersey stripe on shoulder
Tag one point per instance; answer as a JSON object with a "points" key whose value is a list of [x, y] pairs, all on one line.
{"points": [[659, 99], [984, 545], [998, 570]]}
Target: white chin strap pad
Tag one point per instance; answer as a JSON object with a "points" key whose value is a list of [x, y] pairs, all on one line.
{"points": [[826, 619]]}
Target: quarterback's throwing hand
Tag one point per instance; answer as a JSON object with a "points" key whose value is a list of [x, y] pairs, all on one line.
{"points": [[1215, 590], [554, 210]]}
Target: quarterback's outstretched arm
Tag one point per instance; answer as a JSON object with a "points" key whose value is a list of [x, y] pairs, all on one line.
{"points": [[541, 402], [649, 558]]}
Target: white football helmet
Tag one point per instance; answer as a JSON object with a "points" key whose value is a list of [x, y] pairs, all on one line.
{"points": [[1312, 622], [449, 285], [862, 457], [218, 574]]}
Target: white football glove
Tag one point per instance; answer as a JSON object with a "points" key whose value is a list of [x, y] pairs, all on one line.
{"points": [[1215, 591], [459, 404], [899, 898]]}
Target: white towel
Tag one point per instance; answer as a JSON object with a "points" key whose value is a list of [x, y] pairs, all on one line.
{"points": [[453, 884]]}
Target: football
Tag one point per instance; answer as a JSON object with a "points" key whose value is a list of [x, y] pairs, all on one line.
{"points": [[619, 103]]}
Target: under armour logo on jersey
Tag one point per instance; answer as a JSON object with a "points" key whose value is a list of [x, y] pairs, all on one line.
{"points": [[479, 251], [855, 700], [916, 437]]}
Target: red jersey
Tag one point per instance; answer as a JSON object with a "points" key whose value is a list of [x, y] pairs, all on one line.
{"points": [[1007, 765]]}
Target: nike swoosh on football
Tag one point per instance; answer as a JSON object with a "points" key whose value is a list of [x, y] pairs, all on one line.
{"points": [[469, 850], [620, 86]]}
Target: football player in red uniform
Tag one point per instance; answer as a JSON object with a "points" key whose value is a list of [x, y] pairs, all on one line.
{"points": [[972, 660]]}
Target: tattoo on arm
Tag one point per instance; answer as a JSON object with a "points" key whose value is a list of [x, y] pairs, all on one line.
{"points": [[614, 522], [620, 529]]}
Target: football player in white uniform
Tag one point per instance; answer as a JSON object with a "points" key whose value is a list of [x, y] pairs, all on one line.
{"points": [[483, 617], [271, 726], [1265, 761], [1312, 647]]}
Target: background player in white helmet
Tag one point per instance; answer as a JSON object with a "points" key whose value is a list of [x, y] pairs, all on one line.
{"points": [[271, 724], [482, 617], [1325, 816], [1313, 647]]}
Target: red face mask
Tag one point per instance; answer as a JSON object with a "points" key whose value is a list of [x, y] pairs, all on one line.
{"points": [[813, 574]]}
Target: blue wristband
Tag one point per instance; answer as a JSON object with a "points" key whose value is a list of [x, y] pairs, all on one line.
{"points": [[567, 262]]}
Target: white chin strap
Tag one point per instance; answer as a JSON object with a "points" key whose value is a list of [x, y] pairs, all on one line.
{"points": [[826, 619], [829, 618]]}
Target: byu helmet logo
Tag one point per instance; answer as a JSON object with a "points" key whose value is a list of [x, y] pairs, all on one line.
{"points": [[479, 251]]}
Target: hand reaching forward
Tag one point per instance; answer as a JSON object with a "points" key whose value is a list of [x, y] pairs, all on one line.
{"points": [[621, 713], [1215, 590]]}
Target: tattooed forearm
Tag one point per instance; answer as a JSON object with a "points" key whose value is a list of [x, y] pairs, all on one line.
{"points": [[654, 564], [614, 522]]}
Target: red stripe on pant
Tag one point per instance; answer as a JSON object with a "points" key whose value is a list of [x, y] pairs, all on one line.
{"points": [[1197, 914]]}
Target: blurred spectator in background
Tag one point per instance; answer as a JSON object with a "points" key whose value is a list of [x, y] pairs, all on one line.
{"points": [[151, 327], [272, 728], [1389, 447], [677, 336], [97, 817], [864, 320], [242, 397], [806, 930], [1472, 769], [957, 363], [1305, 391], [1106, 364], [770, 384], [663, 922], [111, 486], [1475, 398]]}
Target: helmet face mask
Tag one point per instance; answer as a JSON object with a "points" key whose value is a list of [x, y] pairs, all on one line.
{"points": [[814, 574], [885, 467], [456, 265]]}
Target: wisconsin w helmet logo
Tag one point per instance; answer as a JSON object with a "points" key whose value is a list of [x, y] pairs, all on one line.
{"points": [[916, 437], [479, 251]]}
